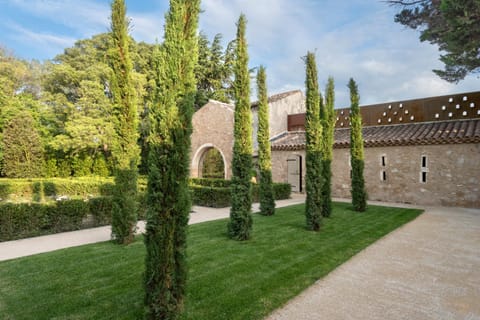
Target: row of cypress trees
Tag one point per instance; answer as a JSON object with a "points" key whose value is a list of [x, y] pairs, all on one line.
{"points": [[171, 127], [319, 136]]}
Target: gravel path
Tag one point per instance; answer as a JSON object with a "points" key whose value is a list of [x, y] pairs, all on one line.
{"points": [[428, 269]]}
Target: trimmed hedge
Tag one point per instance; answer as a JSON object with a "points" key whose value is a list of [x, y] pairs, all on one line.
{"points": [[216, 183], [22, 220], [220, 197], [37, 190]]}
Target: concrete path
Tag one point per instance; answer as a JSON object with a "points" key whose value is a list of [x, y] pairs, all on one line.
{"points": [[30, 246], [428, 269]]}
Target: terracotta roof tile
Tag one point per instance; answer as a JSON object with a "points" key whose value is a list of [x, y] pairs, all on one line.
{"points": [[446, 132]]}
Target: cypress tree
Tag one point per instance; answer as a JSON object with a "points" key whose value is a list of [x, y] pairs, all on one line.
{"points": [[313, 135], [240, 223], [125, 151], [267, 201], [168, 197], [327, 114], [359, 195]]}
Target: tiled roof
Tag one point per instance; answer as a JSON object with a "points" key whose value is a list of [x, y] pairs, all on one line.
{"points": [[278, 97], [426, 133]]}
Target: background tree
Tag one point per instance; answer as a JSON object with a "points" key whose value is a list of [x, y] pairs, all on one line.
{"points": [[359, 194], [327, 115], [214, 71], [453, 25], [313, 158], [267, 201], [168, 197], [125, 150], [240, 224], [23, 152]]}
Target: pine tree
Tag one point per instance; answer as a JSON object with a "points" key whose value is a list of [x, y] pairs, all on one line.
{"points": [[359, 195], [240, 223], [327, 114], [313, 133], [126, 152], [267, 201], [168, 197]]}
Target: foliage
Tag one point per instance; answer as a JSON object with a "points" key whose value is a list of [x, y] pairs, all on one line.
{"points": [[359, 194], [213, 71], [125, 150], [453, 25], [213, 166], [23, 220], [267, 203], [98, 281], [23, 152], [327, 115], [313, 158], [240, 224], [168, 196]]}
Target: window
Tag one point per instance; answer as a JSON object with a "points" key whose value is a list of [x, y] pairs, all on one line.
{"points": [[383, 164], [383, 175], [423, 169]]}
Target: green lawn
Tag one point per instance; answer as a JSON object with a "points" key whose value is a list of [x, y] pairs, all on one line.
{"points": [[227, 279]]}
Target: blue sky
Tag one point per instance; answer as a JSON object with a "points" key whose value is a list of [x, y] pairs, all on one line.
{"points": [[354, 38]]}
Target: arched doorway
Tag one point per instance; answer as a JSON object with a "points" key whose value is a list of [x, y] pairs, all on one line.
{"points": [[211, 165], [209, 162]]}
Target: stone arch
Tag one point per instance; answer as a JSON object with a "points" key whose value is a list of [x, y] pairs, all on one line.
{"points": [[198, 157]]}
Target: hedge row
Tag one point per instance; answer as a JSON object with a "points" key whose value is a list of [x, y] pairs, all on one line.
{"points": [[219, 197], [21, 220]]}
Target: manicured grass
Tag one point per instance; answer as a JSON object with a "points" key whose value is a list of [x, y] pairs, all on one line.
{"points": [[227, 279]]}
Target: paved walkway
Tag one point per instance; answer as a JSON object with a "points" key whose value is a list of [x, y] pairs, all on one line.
{"points": [[30, 246], [427, 269]]}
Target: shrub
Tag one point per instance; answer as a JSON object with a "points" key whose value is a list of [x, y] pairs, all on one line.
{"points": [[210, 196], [208, 182]]}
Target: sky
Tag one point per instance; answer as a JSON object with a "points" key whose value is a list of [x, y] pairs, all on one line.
{"points": [[350, 38]]}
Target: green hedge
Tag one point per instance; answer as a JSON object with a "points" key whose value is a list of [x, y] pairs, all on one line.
{"points": [[21, 220], [219, 197], [37, 190], [216, 183]]}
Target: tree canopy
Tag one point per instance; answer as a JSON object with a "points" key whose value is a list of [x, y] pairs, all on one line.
{"points": [[453, 25]]}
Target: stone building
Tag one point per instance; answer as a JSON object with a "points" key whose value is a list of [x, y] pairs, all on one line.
{"points": [[423, 151]]}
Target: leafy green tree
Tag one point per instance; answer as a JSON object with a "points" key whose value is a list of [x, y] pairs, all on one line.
{"points": [[267, 201], [453, 25], [125, 151], [168, 197], [23, 152], [313, 157], [240, 224], [327, 115], [359, 194], [214, 71]]}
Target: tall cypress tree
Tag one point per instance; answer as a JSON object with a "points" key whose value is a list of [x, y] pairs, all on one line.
{"points": [[359, 194], [168, 197], [240, 223], [327, 114], [125, 151], [267, 201], [313, 135]]}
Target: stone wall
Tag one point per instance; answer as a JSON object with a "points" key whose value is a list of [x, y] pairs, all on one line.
{"points": [[452, 174], [278, 113], [212, 128]]}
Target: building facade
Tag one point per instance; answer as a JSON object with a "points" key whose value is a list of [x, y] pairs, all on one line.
{"points": [[422, 151]]}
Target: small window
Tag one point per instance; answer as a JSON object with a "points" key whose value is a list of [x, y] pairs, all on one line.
{"points": [[423, 169], [384, 176], [384, 161]]}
